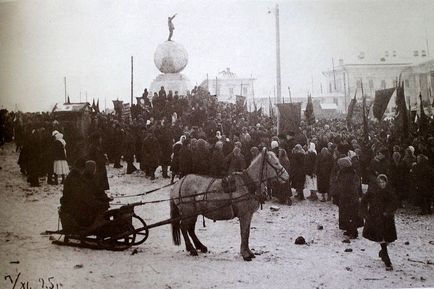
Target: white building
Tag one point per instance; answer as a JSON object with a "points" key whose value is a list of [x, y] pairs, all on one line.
{"points": [[343, 80], [226, 85]]}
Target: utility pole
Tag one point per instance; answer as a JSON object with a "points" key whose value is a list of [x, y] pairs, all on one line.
{"points": [[64, 82], [278, 74], [131, 82], [216, 87], [334, 75]]}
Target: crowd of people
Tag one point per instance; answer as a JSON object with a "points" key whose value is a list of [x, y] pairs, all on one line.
{"points": [[196, 134]]}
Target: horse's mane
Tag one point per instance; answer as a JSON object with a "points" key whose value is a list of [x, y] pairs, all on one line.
{"points": [[259, 156]]}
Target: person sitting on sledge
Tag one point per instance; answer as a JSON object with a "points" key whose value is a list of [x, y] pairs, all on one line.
{"points": [[83, 204]]}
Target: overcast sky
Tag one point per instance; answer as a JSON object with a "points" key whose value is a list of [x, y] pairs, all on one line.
{"points": [[91, 42]]}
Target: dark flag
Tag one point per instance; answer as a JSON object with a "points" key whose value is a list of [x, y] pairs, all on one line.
{"points": [[97, 105], [401, 116], [240, 102], [289, 117], [423, 119], [382, 98], [365, 116], [308, 113], [350, 110]]}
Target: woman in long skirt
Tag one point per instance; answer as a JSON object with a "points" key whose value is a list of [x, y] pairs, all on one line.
{"points": [[60, 165]]}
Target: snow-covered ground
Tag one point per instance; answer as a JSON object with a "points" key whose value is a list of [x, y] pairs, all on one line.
{"points": [[323, 263]]}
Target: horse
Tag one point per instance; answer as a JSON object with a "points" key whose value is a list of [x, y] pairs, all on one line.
{"points": [[195, 195]]}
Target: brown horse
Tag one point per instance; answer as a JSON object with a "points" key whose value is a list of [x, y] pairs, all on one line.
{"points": [[195, 195]]}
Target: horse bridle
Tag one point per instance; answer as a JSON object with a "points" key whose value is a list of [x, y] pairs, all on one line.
{"points": [[279, 172]]}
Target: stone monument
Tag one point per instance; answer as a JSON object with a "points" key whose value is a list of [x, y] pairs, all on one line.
{"points": [[171, 58]]}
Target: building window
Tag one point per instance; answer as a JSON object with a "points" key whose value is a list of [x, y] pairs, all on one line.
{"points": [[383, 84], [371, 84], [330, 87], [407, 83], [244, 91], [231, 91], [395, 82], [359, 84]]}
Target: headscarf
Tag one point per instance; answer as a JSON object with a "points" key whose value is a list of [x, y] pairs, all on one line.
{"points": [[59, 137], [383, 177], [312, 147], [411, 149], [274, 144]]}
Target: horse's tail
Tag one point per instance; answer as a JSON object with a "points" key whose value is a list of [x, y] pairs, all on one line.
{"points": [[174, 215]]}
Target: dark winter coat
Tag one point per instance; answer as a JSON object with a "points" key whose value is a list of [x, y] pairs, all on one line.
{"points": [[218, 168], [376, 168], [378, 208], [236, 164], [310, 163], [96, 154], [82, 199], [164, 136], [399, 179], [348, 190], [129, 147], [174, 167], [423, 176], [298, 174], [324, 170], [185, 161], [151, 151], [201, 161], [58, 152]]}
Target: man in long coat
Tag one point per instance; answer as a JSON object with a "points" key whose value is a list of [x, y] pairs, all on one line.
{"points": [[151, 153], [164, 137]]}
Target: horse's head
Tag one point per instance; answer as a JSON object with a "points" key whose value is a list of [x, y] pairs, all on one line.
{"points": [[272, 168], [266, 167]]}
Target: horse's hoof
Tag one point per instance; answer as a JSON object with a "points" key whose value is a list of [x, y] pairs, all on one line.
{"points": [[247, 258], [252, 256], [193, 252], [204, 249]]}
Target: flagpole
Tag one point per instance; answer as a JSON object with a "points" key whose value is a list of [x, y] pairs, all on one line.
{"points": [[365, 123], [132, 80], [64, 82], [278, 74]]}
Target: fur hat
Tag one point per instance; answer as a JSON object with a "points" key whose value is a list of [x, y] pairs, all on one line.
{"points": [[344, 162]]}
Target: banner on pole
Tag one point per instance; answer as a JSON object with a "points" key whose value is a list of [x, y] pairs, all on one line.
{"points": [[289, 117]]}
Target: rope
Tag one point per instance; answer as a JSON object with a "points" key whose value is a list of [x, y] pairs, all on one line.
{"points": [[143, 194], [177, 198]]}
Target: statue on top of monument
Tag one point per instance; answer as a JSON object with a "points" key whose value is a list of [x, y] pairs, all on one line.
{"points": [[171, 27]]}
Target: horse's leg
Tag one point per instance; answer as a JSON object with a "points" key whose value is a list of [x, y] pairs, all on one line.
{"points": [[245, 221], [188, 246], [195, 239]]}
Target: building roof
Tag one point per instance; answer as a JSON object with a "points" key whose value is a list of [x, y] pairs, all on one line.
{"points": [[73, 107], [331, 105]]}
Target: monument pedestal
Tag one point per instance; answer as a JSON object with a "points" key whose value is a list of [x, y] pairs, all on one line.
{"points": [[171, 81]]}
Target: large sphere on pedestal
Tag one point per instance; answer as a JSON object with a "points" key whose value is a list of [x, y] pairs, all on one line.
{"points": [[170, 57]]}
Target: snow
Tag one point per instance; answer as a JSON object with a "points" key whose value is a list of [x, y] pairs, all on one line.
{"points": [[322, 263]]}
